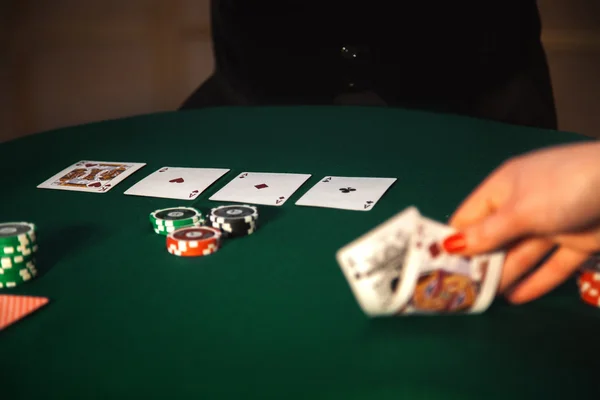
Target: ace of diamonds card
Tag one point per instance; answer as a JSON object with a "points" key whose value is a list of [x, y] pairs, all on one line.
{"points": [[91, 176], [265, 188]]}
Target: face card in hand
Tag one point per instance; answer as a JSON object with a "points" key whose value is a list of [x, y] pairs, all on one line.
{"points": [[360, 194], [445, 283], [91, 176], [374, 264], [269, 189], [176, 183]]}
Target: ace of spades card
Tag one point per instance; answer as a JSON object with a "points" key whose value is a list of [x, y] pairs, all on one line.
{"points": [[271, 189], [347, 193], [446, 283], [176, 183], [91, 176]]}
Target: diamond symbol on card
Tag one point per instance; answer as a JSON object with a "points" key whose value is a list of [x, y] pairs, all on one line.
{"points": [[261, 186]]}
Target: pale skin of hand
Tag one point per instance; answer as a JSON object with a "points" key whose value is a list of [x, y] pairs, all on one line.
{"points": [[530, 205]]}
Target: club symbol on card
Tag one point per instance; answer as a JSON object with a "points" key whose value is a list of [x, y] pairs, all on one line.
{"points": [[242, 176], [368, 204], [279, 200], [328, 179], [95, 184], [347, 190], [177, 180], [261, 186], [163, 169], [195, 192]]}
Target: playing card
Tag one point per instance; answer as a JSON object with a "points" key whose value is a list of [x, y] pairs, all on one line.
{"points": [[16, 307], [445, 283], [176, 183], [360, 194], [374, 264], [271, 189], [91, 176]]}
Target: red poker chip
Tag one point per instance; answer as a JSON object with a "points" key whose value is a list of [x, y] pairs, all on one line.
{"points": [[193, 241], [589, 287]]}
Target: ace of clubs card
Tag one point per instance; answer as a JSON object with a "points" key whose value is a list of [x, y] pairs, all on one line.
{"points": [[176, 183], [91, 176], [347, 193], [271, 189]]}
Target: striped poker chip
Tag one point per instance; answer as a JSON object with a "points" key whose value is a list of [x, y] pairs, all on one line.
{"points": [[194, 241], [17, 237], [234, 213], [175, 216], [14, 262], [165, 230], [589, 287], [236, 229]]}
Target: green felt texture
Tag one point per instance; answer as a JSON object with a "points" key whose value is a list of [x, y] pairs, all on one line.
{"points": [[269, 316]]}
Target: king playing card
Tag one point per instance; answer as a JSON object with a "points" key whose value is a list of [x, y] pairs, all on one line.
{"points": [[91, 176], [446, 283]]}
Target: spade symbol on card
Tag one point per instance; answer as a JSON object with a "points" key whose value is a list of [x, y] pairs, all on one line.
{"points": [[279, 200], [163, 169], [95, 184], [243, 175], [347, 190], [195, 192], [177, 180], [368, 204], [328, 179]]}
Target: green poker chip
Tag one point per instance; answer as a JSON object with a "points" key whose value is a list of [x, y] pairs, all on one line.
{"points": [[18, 274], [17, 239]]}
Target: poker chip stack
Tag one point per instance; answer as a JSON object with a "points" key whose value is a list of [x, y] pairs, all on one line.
{"points": [[18, 246], [589, 281], [168, 220], [234, 220]]}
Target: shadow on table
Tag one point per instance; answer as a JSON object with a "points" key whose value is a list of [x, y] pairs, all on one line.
{"points": [[55, 243], [266, 215]]}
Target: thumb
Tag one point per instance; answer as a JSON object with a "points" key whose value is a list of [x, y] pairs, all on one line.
{"points": [[488, 234]]}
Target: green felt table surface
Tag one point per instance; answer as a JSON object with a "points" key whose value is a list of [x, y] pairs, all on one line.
{"points": [[269, 315]]}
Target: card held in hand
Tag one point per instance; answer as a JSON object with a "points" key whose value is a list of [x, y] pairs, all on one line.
{"points": [[401, 268], [445, 283], [374, 264]]}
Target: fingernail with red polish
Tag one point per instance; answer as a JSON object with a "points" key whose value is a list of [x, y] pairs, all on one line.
{"points": [[455, 243]]}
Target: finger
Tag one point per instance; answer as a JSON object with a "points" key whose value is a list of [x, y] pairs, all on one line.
{"points": [[521, 258], [494, 231], [552, 273], [587, 241]]}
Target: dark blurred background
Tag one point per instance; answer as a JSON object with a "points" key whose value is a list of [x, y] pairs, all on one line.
{"points": [[66, 62]]}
